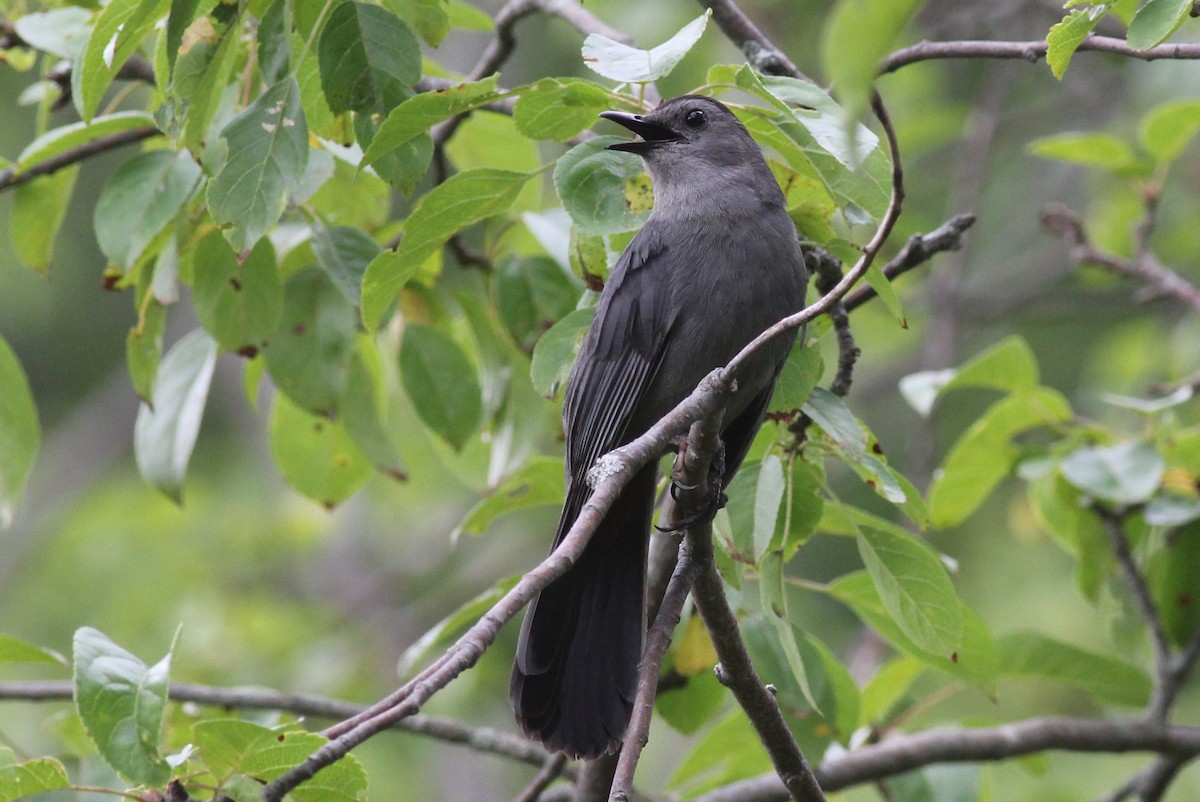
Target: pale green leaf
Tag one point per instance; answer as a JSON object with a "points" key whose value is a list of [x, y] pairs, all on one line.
{"points": [[1168, 129], [559, 108], [1125, 473], [141, 199], [1035, 656], [15, 650], [555, 351], [1094, 149], [539, 482], [1065, 37], [1155, 21], [39, 208], [315, 455], [857, 35], [166, 430], [122, 701], [626, 64], [422, 111], [59, 140], [446, 631], [116, 33], [31, 778]]}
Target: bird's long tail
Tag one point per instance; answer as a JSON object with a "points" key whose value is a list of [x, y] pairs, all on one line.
{"points": [[575, 675]]}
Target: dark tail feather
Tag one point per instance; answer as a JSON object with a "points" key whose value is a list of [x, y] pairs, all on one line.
{"points": [[575, 675]]}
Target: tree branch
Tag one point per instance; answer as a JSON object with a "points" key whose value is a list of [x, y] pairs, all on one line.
{"points": [[1027, 51], [481, 739], [762, 54], [501, 47], [919, 249], [1158, 278], [14, 177], [902, 753], [550, 772], [657, 641]]}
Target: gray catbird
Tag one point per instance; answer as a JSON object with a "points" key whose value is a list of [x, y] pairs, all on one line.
{"points": [[717, 263]]}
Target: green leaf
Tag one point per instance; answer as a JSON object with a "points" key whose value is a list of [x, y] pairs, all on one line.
{"points": [[442, 384], [166, 430], [201, 80], [774, 599], [31, 778], [344, 253], [798, 378], [914, 587], [1125, 473], [838, 422], [730, 751], [419, 113], [369, 58], [768, 498], [140, 200], [1155, 21], [976, 661], [627, 64], [1060, 510], [858, 34], [836, 714], [315, 455], [15, 650], [273, 39], [239, 302], [39, 208], [1065, 37], [234, 748], [310, 353], [143, 349], [887, 689], [559, 108], [59, 31], [1093, 149], [268, 153], [816, 111], [363, 410], [1168, 128], [449, 628], [121, 702], [60, 140], [1170, 509], [1173, 574], [531, 296], [555, 351], [116, 33], [404, 166], [20, 432], [591, 182], [690, 705], [1036, 656], [1008, 366], [433, 18], [465, 198], [985, 454], [539, 482], [939, 783]]}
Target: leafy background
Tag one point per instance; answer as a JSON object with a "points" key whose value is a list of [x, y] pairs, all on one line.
{"points": [[270, 588]]}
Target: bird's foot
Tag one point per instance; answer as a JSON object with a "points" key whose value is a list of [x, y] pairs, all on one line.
{"points": [[714, 499]]}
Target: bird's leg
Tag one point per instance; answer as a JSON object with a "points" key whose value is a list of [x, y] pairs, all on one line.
{"points": [[714, 499]]}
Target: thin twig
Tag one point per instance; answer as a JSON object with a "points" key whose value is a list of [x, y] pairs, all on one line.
{"points": [[549, 772], [1114, 525], [1149, 784], [1158, 278], [762, 54], [14, 177], [828, 272], [919, 249], [905, 752], [1027, 51], [481, 739], [657, 641]]}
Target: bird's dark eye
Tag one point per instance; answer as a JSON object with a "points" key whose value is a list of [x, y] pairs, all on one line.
{"points": [[695, 119]]}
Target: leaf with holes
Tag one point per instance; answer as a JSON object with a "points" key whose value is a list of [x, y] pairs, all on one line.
{"points": [[268, 154]]}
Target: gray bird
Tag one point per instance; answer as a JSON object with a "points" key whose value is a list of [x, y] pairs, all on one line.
{"points": [[716, 264]]}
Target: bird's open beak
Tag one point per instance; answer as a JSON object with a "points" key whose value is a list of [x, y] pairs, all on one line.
{"points": [[652, 133]]}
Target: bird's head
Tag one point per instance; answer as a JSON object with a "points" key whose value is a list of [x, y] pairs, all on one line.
{"points": [[691, 146]]}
